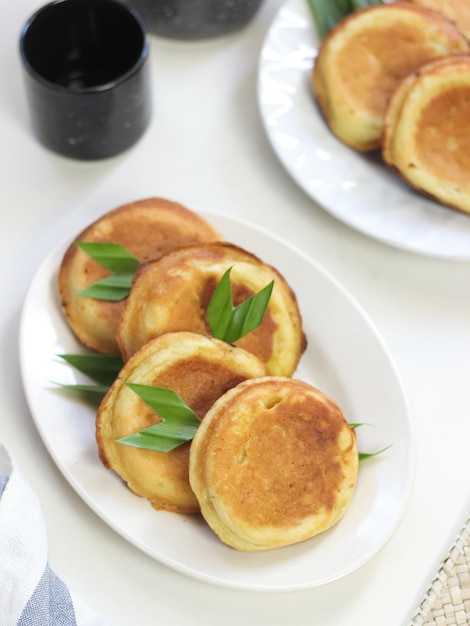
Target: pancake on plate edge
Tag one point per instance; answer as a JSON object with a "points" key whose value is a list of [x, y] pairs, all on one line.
{"points": [[427, 131], [273, 463], [199, 369], [148, 228], [173, 293]]}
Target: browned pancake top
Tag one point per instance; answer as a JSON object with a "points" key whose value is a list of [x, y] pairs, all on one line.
{"points": [[374, 59], [371, 85], [199, 381], [173, 293], [278, 457], [443, 134], [199, 370], [456, 10], [427, 131], [260, 341], [148, 229]]}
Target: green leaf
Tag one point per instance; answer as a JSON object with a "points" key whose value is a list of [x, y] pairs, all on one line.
{"points": [[248, 315], [93, 394], [150, 439], [114, 257], [368, 455], [94, 389], [327, 13], [230, 323], [101, 368], [179, 422], [220, 306], [165, 402], [115, 288], [117, 260], [362, 4]]}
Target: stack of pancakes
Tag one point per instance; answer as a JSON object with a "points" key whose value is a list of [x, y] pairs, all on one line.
{"points": [[182, 259], [276, 456], [381, 84]]}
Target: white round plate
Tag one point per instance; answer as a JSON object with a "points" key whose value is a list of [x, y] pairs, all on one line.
{"points": [[356, 188], [345, 358]]}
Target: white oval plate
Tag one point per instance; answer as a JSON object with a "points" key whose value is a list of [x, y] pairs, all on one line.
{"points": [[356, 188], [345, 358]]}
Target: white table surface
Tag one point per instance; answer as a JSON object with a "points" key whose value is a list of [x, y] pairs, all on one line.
{"points": [[207, 149]]}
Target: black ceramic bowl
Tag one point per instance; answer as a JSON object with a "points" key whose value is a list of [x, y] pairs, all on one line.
{"points": [[195, 19]]}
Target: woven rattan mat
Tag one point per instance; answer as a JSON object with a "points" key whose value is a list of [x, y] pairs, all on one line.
{"points": [[447, 600]]}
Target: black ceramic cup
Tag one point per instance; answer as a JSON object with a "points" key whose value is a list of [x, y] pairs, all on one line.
{"points": [[87, 77]]}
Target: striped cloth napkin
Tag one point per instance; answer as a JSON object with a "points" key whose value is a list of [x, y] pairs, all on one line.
{"points": [[31, 594]]}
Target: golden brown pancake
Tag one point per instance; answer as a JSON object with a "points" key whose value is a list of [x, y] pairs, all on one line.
{"points": [[456, 10], [199, 370], [427, 131], [173, 293], [273, 463], [362, 60], [148, 229]]}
